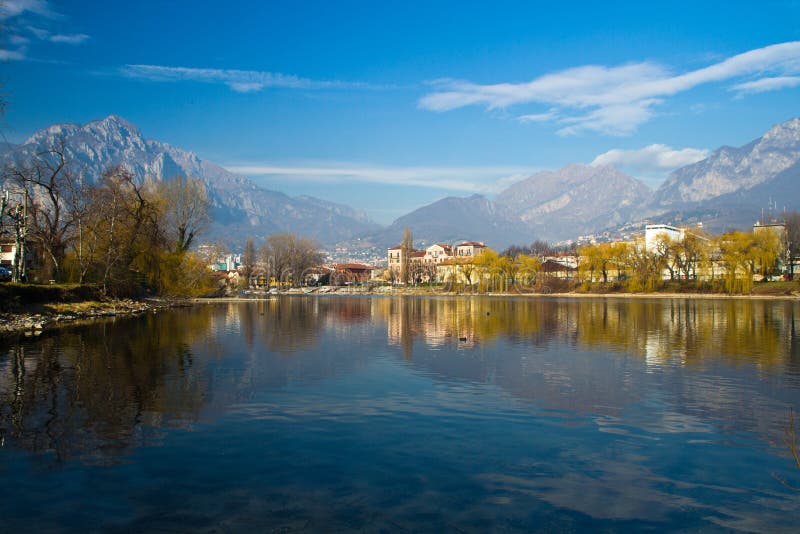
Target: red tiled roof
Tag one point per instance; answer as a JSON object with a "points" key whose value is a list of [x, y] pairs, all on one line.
{"points": [[471, 244]]}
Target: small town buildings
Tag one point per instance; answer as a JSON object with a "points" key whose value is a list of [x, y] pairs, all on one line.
{"points": [[655, 232], [457, 271], [556, 269], [395, 256], [566, 259], [433, 256], [8, 255], [470, 249], [438, 253], [777, 228], [349, 273]]}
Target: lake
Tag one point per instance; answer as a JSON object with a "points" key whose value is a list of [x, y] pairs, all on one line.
{"points": [[407, 414]]}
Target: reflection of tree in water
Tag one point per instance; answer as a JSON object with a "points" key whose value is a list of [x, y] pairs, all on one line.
{"points": [[89, 391], [547, 350], [738, 330], [690, 331], [466, 322], [290, 324], [287, 324]]}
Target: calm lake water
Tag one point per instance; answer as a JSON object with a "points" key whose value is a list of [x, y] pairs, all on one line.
{"points": [[407, 414]]}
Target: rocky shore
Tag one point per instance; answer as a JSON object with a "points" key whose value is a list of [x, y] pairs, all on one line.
{"points": [[56, 315]]}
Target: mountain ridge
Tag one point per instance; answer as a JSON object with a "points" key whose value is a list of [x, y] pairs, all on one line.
{"points": [[239, 207]]}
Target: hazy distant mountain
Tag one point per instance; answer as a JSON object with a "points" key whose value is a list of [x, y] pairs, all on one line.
{"points": [[240, 208], [563, 204], [454, 218], [576, 199], [728, 170]]}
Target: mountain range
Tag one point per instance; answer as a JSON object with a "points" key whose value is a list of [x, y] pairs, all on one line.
{"points": [[239, 207], [727, 189]]}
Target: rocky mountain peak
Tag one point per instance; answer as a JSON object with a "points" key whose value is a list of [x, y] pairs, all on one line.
{"points": [[240, 208], [784, 133], [728, 169]]}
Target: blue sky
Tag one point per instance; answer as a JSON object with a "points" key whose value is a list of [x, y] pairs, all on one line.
{"points": [[391, 105]]}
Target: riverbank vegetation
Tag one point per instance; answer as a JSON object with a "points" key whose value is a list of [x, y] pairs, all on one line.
{"points": [[130, 237], [729, 263], [734, 263]]}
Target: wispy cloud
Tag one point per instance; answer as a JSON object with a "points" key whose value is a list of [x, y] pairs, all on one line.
{"points": [[28, 22], [539, 117], [15, 8], [11, 55], [767, 84], [484, 179], [611, 100], [69, 38], [241, 81], [651, 163]]}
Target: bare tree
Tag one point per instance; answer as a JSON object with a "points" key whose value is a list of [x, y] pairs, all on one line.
{"points": [[126, 225], [248, 260], [47, 181], [84, 241], [289, 256], [184, 205], [407, 248]]}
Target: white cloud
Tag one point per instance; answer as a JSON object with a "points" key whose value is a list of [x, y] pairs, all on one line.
{"points": [[32, 21], [74, 38], [612, 100], [538, 117], [14, 8], [11, 55], [767, 84], [241, 81], [468, 179], [652, 162]]}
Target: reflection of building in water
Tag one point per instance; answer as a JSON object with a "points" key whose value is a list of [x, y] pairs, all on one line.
{"points": [[437, 322]]}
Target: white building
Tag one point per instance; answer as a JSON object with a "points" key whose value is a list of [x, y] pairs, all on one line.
{"points": [[437, 253], [652, 233], [470, 249]]}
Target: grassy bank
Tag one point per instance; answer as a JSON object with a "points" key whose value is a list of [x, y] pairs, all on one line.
{"points": [[26, 308]]}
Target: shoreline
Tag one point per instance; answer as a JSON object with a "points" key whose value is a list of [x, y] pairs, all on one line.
{"points": [[82, 312], [34, 323], [571, 295]]}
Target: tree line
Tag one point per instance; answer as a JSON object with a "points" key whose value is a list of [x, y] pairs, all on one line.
{"points": [[286, 259], [127, 234], [732, 260]]}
